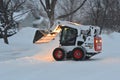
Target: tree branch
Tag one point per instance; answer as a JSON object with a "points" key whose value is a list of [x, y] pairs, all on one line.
{"points": [[7, 4], [53, 3], [66, 15], [43, 5], [18, 5], [21, 14], [48, 6]]}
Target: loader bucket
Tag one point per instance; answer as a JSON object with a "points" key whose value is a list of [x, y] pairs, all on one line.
{"points": [[42, 36], [38, 35]]}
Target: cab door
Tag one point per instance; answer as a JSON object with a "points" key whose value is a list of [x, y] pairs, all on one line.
{"points": [[68, 36]]}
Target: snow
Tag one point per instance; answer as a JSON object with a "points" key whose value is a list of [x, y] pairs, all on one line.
{"points": [[23, 60]]}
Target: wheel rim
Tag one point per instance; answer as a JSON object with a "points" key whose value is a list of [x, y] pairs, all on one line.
{"points": [[58, 54], [77, 54]]}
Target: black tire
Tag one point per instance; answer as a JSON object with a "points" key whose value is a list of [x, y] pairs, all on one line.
{"points": [[58, 54], [78, 54], [87, 57]]}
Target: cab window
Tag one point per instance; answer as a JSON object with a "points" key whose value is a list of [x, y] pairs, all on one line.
{"points": [[68, 36]]}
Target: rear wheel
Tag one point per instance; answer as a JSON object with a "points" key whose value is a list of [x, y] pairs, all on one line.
{"points": [[78, 54], [59, 54]]}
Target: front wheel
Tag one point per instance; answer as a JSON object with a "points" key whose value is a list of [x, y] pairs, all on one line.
{"points": [[78, 54], [58, 54]]}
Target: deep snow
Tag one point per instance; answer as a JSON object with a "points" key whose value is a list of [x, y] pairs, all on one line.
{"points": [[23, 60]]}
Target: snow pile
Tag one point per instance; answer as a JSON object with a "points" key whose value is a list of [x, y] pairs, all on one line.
{"points": [[27, 61], [20, 45]]}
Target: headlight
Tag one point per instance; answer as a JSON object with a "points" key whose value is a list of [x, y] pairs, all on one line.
{"points": [[96, 41], [100, 41]]}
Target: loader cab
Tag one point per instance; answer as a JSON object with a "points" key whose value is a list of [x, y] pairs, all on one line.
{"points": [[68, 36]]}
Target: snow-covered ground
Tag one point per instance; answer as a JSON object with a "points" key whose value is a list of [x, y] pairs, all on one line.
{"points": [[23, 60]]}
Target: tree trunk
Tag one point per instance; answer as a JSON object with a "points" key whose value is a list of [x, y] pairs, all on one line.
{"points": [[51, 22], [51, 18], [5, 37], [6, 40]]}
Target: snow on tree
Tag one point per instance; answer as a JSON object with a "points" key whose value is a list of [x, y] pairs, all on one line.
{"points": [[8, 25]]}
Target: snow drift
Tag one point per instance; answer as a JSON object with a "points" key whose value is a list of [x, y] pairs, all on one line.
{"points": [[23, 60]]}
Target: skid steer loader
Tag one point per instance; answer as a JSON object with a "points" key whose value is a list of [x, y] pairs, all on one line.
{"points": [[77, 42]]}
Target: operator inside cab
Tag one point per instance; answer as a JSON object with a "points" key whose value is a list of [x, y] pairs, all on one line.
{"points": [[68, 36]]}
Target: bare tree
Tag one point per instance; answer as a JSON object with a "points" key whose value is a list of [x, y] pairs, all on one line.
{"points": [[7, 23], [49, 7], [68, 6], [104, 13], [113, 15], [74, 11]]}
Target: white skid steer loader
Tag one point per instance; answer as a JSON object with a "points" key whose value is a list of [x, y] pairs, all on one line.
{"points": [[78, 42]]}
